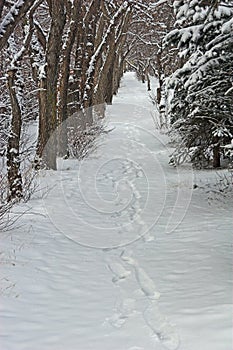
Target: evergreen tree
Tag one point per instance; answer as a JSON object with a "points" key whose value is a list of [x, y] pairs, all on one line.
{"points": [[201, 108]]}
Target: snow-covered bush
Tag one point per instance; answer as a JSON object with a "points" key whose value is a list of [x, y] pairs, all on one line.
{"points": [[5, 205], [83, 142], [201, 108]]}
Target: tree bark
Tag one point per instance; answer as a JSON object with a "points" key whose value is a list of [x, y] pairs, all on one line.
{"points": [[64, 79], [216, 156], [103, 89], [106, 46], [13, 160], [17, 12], [148, 82], [2, 3], [91, 22], [47, 143]]}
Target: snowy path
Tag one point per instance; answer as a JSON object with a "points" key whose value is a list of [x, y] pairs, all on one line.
{"points": [[121, 253]]}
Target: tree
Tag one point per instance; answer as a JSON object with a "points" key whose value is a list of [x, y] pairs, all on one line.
{"points": [[14, 83], [79, 74], [201, 108], [47, 143], [12, 18], [148, 55], [73, 14]]}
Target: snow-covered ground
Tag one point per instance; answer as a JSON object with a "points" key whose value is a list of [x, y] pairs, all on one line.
{"points": [[120, 252]]}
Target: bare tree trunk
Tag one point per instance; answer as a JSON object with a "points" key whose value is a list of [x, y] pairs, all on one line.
{"points": [[92, 21], [160, 92], [42, 137], [119, 71], [117, 64], [104, 88], [216, 156], [64, 79], [158, 95], [2, 3], [47, 143], [79, 100], [148, 82], [109, 86], [74, 98], [159, 89], [13, 161]]}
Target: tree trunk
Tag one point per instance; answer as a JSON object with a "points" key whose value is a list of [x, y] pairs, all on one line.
{"points": [[91, 23], [109, 86], [13, 161], [105, 84], [2, 3], [148, 82], [104, 47], [47, 143], [64, 80], [42, 138], [103, 89], [216, 156]]}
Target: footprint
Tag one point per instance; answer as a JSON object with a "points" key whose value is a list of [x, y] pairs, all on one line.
{"points": [[117, 320], [124, 309], [119, 272], [128, 259], [145, 283], [152, 316], [160, 326]]}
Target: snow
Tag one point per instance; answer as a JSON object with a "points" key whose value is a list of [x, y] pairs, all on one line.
{"points": [[158, 3], [119, 252], [42, 71], [9, 18], [227, 27], [123, 7]]}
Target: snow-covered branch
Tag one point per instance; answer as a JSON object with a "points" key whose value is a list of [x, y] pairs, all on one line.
{"points": [[12, 18]]}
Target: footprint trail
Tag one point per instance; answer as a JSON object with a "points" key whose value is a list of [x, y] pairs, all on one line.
{"points": [[153, 317]]}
